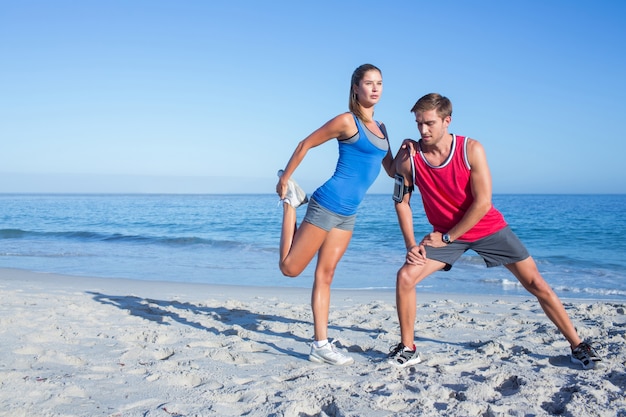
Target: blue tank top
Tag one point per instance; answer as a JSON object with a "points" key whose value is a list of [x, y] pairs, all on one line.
{"points": [[358, 166]]}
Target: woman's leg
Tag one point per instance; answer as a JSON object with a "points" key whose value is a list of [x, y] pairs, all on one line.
{"points": [[298, 245], [330, 253]]}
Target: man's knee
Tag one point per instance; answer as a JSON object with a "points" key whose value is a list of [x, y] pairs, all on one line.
{"points": [[405, 281], [538, 286]]}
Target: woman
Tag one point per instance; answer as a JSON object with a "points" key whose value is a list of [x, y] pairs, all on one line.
{"points": [[327, 227]]}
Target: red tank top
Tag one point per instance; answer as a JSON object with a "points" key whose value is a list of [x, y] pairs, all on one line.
{"points": [[446, 193]]}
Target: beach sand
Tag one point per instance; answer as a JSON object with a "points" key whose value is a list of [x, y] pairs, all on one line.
{"points": [[74, 346]]}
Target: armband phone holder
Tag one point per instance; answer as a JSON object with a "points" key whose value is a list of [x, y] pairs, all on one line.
{"points": [[398, 188]]}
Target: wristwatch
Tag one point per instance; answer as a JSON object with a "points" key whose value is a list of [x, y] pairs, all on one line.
{"points": [[446, 238]]}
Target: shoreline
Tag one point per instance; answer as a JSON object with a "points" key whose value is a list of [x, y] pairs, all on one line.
{"points": [[10, 274], [76, 346]]}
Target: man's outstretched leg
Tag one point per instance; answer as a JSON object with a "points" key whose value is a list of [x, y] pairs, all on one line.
{"points": [[528, 275]]}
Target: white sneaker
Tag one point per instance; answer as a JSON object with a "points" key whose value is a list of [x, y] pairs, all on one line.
{"points": [[329, 354], [295, 195]]}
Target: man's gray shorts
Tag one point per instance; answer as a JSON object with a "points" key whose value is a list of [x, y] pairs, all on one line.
{"points": [[500, 248], [326, 219]]}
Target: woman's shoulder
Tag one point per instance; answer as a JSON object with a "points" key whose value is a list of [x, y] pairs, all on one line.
{"points": [[345, 117], [344, 120], [344, 125]]}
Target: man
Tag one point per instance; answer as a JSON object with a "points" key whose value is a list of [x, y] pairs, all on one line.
{"points": [[452, 175]]}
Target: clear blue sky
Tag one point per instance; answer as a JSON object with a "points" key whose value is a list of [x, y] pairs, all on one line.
{"points": [[211, 96]]}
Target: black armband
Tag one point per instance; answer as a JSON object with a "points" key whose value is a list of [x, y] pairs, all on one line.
{"points": [[399, 189]]}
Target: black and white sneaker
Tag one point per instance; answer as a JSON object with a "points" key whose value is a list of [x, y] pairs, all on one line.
{"points": [[295, 196], [585, 355], [402, 356]]}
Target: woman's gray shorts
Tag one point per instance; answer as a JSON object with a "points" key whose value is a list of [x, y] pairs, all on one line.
{"points": [[326, 219], [500, 248]]}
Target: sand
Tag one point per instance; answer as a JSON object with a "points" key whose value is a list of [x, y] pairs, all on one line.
{"points": [[79, 346]]}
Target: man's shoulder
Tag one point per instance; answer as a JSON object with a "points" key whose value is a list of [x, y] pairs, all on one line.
{"points": [[464, 138], [470, 143], [403, 162]]}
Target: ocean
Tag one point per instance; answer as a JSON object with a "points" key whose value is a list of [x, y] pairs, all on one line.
{"points": [[577, 241]]}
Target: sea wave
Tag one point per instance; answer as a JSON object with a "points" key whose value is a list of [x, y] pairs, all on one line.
{"points": [[88, 236], [572, 291]]}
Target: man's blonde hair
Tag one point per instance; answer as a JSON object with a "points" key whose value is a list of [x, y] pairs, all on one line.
{"points": [[434, 101]]}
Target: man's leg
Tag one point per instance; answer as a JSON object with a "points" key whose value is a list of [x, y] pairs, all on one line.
{"points": [[407, 278], [528, 275]]}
